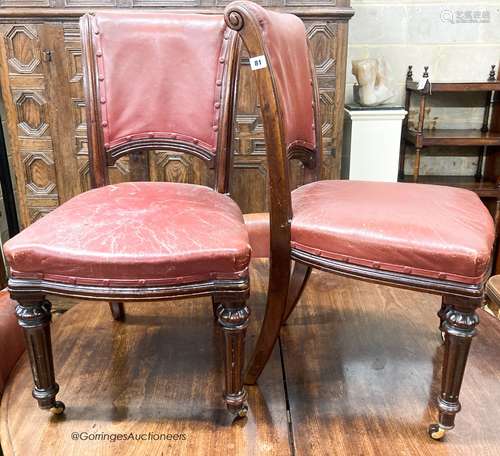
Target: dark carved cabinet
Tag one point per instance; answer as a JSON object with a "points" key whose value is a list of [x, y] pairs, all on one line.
{"points": [[44, 112]]}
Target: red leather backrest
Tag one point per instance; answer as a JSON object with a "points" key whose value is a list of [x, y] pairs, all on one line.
{"points": [[160, 76], [285, 41]]}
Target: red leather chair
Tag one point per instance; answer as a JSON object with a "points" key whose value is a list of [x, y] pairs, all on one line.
{"points": [[144, 240], [422, 237]]}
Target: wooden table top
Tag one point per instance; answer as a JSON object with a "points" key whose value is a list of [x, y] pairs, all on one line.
{"points": [[361, 363]]}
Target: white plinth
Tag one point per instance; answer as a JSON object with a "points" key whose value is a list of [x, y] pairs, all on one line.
{"points": [[372, 138]]}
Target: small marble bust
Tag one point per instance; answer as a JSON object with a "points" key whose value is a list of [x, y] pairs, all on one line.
{"points": [[373, 86]]}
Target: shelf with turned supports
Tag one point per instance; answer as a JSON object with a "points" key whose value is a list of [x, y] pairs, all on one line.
{"points": [[420, 137]]}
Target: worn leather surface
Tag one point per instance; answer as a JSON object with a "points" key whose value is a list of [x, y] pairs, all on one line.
{"points": [[426, 230], [258, 232], [285, 42], [11, 337], [137, 234], [160, 75]]}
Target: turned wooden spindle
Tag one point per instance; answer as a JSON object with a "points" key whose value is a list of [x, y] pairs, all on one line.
{"points": [[409, 74], [492, 74]]}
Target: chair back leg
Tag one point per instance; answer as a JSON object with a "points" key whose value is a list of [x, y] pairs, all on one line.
{"points": [[117, 310]]}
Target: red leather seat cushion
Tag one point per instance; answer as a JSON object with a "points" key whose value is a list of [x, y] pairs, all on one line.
{"points": [[427, 230], [143, 233]]}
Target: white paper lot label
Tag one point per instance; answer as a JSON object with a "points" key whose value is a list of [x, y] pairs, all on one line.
{"points": [[257, 63]]}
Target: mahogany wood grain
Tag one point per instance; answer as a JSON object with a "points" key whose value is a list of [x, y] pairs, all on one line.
{"points": [[160, 371], [242, 20]]}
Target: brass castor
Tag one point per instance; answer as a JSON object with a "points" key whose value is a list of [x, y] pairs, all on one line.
{"points": [[241, 412], [436, 432], [58, 408]]}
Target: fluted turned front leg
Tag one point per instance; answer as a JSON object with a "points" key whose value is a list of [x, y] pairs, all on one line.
{"points": [[460, 327], [233, 317], [34, 317]]}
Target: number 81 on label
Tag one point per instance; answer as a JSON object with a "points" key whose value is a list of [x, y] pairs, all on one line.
{"points": [[257, 63]]}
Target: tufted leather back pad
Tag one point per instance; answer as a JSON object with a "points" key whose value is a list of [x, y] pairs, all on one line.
{"points": [[285, 42], [160, 76]]}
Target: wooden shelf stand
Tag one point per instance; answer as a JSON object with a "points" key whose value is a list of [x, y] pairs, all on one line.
{"points": [[420, 138]]}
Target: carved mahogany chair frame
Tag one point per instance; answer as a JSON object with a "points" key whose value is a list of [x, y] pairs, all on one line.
{"points": [[229, 296], [458, 318]]}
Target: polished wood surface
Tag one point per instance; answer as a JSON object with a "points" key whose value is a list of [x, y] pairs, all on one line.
{"points": [[362, 366], [42, 92]]}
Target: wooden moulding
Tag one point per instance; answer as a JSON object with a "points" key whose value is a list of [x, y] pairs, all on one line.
{"points": [[411, 282], [337, 13], [219, 288]]}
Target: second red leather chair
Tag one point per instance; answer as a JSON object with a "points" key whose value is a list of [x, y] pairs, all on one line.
{"points": [[422, 237]]}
